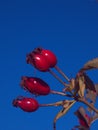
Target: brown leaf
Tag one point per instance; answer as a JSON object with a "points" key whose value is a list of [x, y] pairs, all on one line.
{"points": [[81, 87], [81, 114], [89, 83], [64, 110], [76, 88], [70, 86], [92, 64]]}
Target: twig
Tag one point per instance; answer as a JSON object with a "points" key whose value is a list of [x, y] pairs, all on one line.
{"points": [[60, 93], [59, 103], [62, 73], [88, 104], [51, 72]]}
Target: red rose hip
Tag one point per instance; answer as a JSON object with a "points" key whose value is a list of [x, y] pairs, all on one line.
{"points": [[38, 61], [35, 85], [50, 57], [26, 104]]}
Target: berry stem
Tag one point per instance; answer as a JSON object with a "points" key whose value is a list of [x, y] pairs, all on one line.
{"points": [[59, 103], [52, 104], [88, 104], [60, 93], [62, 73], [51, 72]]}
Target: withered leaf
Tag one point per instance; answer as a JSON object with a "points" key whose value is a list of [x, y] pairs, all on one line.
{"points": [[81, 86], [81, 114], [92, 64], [76, 88], [64, 110], [71, 86], [89, 83]]}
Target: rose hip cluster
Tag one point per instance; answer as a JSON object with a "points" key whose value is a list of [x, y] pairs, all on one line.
{"points": [[80, 89], [42, 60]]}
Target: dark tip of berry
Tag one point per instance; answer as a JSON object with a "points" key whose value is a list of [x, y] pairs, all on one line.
{"points": [[37, 50], [28, 58], [22, 82], [14, 103]]}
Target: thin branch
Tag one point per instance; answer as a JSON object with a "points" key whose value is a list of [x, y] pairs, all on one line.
{"points": [[60, 93], [62, 73], [88, 104], [61, 81], [59, 103]]}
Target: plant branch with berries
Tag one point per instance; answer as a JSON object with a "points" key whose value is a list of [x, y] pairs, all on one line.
{"points": [[78, 89]]}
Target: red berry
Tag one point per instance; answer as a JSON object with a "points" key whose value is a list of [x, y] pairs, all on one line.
{"points": [[50, 57], [26, 104], [35, 85], [38, 61]]}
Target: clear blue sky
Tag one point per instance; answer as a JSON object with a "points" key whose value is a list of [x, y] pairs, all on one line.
{"points": [[69, 28]]}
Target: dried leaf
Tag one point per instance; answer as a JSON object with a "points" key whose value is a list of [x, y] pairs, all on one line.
{"points": [[92, 64], [81, 87], [76, 88], [89, 83], [64, 110], [70, 86], [81, 114]]}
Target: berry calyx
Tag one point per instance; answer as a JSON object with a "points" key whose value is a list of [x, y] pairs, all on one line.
{"points": [[35, 85], [26, 104]]}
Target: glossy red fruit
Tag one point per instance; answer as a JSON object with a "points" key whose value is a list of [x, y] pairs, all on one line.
{"points": [[49, 55], [38, 61], [35, 85], [26, 104]]}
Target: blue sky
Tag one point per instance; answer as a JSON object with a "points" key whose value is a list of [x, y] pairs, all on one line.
{"points": [[69, 29]]}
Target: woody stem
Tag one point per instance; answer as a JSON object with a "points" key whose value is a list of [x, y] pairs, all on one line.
{"points": [[62, 73], [88, 104], [60, 93], [51, 72]]}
